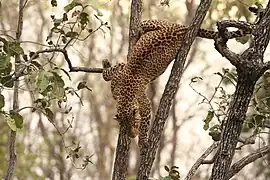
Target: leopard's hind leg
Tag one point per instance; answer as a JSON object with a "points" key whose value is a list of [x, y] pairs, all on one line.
{"points": [[145, 113]]}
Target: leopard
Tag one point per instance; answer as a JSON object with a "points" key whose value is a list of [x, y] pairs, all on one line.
{"points": [[157, 47]]}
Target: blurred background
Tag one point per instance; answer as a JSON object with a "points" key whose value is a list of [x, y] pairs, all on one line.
{"points": [[43, 154]]}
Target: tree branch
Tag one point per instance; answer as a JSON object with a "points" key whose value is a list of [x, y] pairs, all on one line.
{"points": [[134, 25], [220, 42], [236, 167], [65, 54]]}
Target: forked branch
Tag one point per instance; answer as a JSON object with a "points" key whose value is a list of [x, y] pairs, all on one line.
{"points": [[220, 42]]}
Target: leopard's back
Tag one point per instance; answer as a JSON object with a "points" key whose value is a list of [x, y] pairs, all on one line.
{"points": [[154, 52]]}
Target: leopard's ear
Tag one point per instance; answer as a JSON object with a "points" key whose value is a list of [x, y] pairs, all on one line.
{"points": [[106, 63]]}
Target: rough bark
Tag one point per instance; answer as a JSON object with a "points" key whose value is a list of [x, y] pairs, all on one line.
{"points": [[249, 67], [169, 93], [123, 144], [233, 125]]}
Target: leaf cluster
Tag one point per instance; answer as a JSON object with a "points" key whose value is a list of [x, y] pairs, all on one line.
{"points": [[73, 23], [173, 173]]}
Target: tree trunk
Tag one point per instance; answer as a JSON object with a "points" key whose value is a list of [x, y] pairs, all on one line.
{"points": [[169, 93]]}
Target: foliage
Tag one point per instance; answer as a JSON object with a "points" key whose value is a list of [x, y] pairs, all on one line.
{"points": [[173, 173], [73, 23], [258, 114], [43, 75]]}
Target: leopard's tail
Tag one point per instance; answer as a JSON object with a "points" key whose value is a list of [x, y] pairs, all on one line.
{"points": [[109, 70], [209, 34]]}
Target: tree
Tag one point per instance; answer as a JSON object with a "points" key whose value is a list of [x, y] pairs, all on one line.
{"points": [[250, 67], [46, 80]]}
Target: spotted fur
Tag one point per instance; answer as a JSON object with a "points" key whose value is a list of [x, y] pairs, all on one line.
{"points": [[157, 47]]}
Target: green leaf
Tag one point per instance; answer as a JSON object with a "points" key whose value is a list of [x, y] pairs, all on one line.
{"points": [[41, 103], [2, 101], [13, 48], [5, 65], [57, 22], [243, 39], [7, 81], [208, 119], [83, 85], [84, 19], [165, 178], [17, 118], [72, 34], [215, 132], [65, 17], [258, 119], [50, 82], [195, 79], [43, 80], [11, 123], [49, 114], [58, 91], [47, 90], [72, 5]]}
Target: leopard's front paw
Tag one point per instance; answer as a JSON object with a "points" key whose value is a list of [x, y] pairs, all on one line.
{"points": [[106, 63]]}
